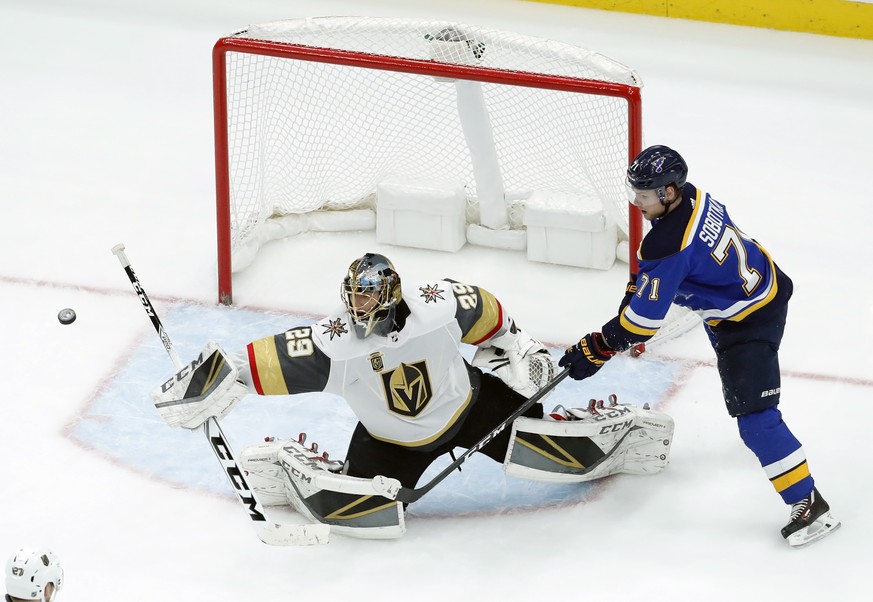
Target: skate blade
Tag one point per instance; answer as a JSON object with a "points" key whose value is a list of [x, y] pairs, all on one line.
{"points": [[824, 525]]}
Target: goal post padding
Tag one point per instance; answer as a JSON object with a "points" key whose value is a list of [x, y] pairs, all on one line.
{"points": [[311, 114]]}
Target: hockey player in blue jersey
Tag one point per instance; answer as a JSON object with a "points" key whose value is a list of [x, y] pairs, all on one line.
{"points": [[695, 256]]}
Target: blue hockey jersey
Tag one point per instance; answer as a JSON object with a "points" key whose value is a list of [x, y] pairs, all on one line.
{"points": [[695, 256]]}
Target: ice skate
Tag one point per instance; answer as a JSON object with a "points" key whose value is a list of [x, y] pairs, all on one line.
{"points": [[811, 520]]}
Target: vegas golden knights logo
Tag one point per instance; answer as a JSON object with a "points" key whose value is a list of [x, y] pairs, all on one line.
{"points": [[376, 362], [407, 388]]}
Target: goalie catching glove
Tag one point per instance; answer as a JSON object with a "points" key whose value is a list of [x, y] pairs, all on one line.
{"points": [[207, 387], [519, 360]]}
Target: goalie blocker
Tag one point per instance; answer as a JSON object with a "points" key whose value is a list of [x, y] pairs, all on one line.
{"points": [[207, 387], [587, 444]]}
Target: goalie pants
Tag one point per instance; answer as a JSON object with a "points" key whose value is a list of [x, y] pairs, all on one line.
{"points": [[493, 403]]}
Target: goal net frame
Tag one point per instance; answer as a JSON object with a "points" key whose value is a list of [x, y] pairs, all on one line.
{"points": [[363, 60]]}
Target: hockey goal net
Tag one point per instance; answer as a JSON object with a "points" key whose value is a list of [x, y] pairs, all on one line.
{"points": [[311, 114]]}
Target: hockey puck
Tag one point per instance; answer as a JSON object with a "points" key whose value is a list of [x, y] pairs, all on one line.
{"points": [[66, 316]]}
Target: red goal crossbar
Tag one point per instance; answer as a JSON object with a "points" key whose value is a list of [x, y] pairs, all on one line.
{"points": [[398, 64]]}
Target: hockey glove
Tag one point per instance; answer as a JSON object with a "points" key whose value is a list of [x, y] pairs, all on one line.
{"points": [[587, 356], [629, 291]]}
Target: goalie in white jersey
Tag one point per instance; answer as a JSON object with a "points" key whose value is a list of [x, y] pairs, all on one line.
{"points": [[393, 353]]}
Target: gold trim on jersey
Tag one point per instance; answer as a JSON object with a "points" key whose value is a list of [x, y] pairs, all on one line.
{"points": [[488, 323], [696, 214], [267, 367], [458, 413], [758, 304], [633, 328]]}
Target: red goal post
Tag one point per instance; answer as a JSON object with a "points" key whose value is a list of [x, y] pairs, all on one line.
{"points": [[278, 121]]}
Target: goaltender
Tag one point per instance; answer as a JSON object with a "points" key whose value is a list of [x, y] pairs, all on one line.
{"points": [[394, 354]]}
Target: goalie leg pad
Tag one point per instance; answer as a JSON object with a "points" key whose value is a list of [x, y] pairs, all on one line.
{"points": [[621, 438], [353, 506], [648, 448], [286, 472], [261, 465]]}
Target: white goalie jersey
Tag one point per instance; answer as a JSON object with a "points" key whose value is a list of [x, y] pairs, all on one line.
{"points": [[409, 388]]}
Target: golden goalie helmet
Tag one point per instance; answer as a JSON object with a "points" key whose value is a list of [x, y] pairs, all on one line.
{"points": [[371, 292]]}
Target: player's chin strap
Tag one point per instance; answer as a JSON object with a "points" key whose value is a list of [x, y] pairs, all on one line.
{"points": [[268, 532]]}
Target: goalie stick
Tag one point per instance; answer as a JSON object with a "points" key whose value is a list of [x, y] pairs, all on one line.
{"points": [[408, 495], [270, 533]]}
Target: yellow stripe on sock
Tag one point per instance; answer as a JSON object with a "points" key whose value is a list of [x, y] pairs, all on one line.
{"points": [[795, 475]]}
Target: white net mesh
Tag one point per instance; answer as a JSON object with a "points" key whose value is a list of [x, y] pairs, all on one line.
{"points": [[307, 135]]}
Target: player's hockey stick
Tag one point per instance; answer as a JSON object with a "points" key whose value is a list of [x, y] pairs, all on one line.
{"points": [[410, 495], [270, 533], [683, 321]]}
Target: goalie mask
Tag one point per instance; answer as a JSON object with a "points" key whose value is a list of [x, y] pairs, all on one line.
{"points": [[371, 292], [34, 575]]}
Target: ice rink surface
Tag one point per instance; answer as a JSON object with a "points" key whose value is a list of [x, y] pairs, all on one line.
{"points": [[106, 137]]}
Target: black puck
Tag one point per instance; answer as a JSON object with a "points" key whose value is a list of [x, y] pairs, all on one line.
{"points": [[66, 316]]}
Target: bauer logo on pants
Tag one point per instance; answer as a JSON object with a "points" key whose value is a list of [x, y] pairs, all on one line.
{"points": [[407, 388]]}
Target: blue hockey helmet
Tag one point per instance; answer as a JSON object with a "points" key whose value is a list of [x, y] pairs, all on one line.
{"points": [[657, 167]]}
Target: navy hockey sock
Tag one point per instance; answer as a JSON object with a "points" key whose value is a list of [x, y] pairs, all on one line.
{"points": [[779, 451]]}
